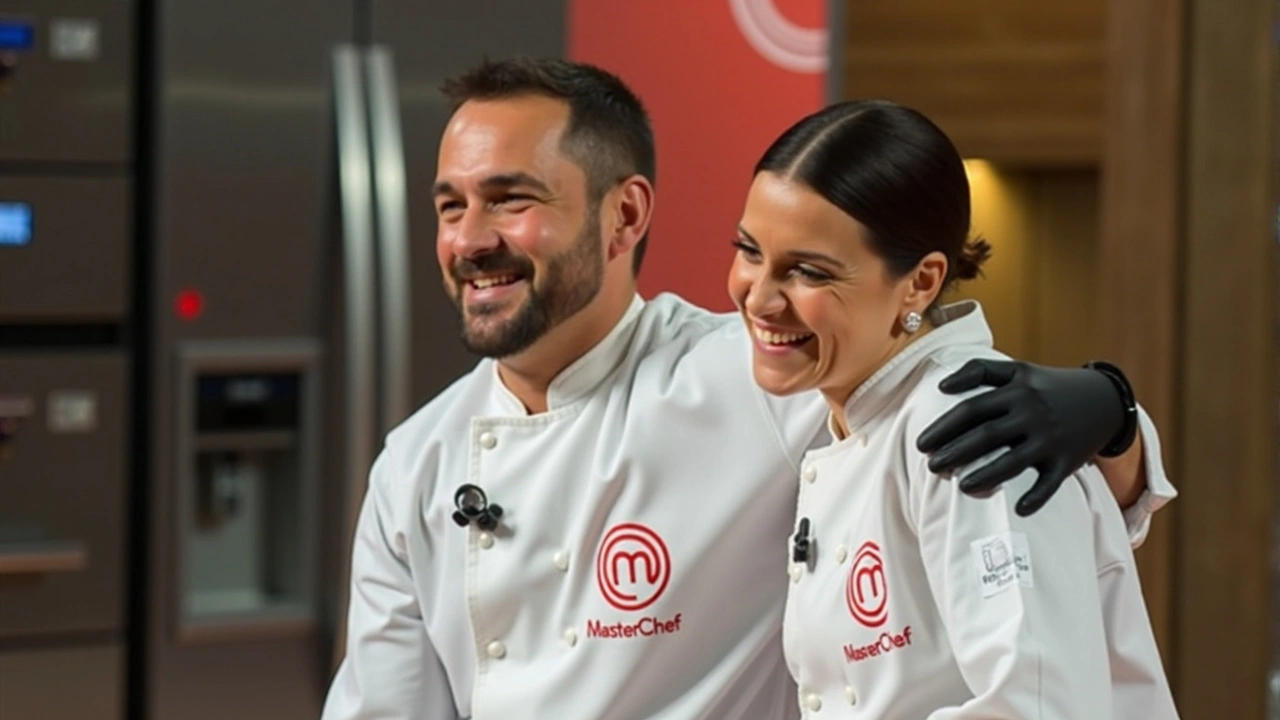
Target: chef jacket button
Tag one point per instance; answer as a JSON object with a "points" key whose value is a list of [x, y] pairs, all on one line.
{"points": [[796, 572], [486, 540], [496, 650], [488, 440], [562, 561], [813, 702], [810, 474], [570, 637], [842, 552], [850, 696]]}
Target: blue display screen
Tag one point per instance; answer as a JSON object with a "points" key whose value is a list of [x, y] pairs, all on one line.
{"points": [[16, 222], [16, 36]]}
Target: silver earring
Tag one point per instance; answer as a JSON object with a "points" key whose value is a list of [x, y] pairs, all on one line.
{"points": [[911, 322]]}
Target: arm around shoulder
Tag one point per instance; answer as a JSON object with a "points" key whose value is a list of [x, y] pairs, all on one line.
{"points": [[390, 671]]}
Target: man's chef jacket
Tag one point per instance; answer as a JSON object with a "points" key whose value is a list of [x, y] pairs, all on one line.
{"points": [[640, 568], [918, 601]]}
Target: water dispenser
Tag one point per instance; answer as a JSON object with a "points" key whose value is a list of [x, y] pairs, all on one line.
{"points": [[248, 489]]}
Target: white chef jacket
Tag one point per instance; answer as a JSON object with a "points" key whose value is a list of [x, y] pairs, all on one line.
{"points": [[919, 601], [639, 568]]}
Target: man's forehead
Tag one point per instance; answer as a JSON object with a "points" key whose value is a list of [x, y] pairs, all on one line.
{"points": [[508, 122], [503, 138]]}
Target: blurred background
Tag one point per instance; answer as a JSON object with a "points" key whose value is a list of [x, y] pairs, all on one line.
{"points": [[218, 288]]}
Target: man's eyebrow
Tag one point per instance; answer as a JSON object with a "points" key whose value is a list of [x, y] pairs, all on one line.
{"points": [[497, 182]]}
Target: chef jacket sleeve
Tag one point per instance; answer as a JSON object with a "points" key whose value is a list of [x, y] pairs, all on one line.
{"points": [[1019, 596], [391, 671], [1159, 489]]}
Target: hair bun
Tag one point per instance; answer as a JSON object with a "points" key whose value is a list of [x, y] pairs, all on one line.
{"points": [[969, 263]]}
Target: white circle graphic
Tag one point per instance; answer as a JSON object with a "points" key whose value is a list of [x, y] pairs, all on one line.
{"points": [[777, 39]]}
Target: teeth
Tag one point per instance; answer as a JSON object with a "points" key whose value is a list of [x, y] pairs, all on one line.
{"points": [[779, 338], [488, 282]]}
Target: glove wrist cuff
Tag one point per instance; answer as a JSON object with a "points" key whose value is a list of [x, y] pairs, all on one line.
{"points": [[1123, 440]]}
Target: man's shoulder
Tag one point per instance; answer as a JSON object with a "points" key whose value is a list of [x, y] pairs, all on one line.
{"points": [[439, 416], [675, 317]]}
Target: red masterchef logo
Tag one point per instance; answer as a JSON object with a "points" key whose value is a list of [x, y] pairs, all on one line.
{"points": [[866, 592], [633, 567]]}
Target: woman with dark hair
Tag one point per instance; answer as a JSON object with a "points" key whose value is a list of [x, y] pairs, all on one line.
{"points": [[910, 598]]}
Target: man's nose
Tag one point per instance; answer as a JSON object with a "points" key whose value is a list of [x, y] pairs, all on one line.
{"points": [[472, 235]]}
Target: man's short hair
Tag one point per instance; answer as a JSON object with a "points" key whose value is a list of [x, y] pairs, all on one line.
{"points": [[609, 134]]}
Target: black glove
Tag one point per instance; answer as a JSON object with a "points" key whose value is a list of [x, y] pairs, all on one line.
{"points": [[1052, 419]]}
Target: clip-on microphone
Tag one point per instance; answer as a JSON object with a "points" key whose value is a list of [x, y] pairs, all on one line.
{"points": [[800, 543], [474, 507]]}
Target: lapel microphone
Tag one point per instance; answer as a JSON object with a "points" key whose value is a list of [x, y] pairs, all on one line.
{"points": [[800, 543], [473, 507]]}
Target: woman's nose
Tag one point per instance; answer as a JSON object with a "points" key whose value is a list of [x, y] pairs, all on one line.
{"points": [[764, 298]]}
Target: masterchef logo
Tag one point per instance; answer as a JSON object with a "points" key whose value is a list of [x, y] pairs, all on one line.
{"points": [[866, 592], [633, 569], [777, 39], [885, 644]]}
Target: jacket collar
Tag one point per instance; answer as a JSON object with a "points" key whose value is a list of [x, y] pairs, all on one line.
{"points": [[960, 323], [586, 373]]}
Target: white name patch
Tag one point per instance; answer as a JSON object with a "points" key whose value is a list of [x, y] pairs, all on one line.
{"points": [[1000, 561]]}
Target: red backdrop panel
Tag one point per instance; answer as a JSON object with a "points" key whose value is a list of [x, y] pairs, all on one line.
{"points": [[721, 79]]}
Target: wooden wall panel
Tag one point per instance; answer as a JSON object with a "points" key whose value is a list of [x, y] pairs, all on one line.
{"points": [[1226, 613], [1039, 289], [1140, 257], [1009, 80]]}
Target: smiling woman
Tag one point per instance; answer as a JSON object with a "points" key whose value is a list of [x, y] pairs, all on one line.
{"points": [[858, 217], [824, 292]]}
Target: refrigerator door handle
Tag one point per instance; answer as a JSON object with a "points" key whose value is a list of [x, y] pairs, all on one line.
{"points": [[39, 558], [392, 222], [355, 198]]}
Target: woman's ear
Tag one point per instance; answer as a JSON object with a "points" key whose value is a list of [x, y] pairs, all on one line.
{"points": [[925, 282], [629, 215]]}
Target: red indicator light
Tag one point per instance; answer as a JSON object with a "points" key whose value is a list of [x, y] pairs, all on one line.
{"points": [[189, 305]]}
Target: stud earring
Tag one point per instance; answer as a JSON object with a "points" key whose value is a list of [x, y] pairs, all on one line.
{"points": [[912, 321]]}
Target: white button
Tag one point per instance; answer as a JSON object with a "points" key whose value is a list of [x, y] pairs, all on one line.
{"points": [[850, 696], [796, 572], [570, 637], [496, 650], [842, 552], [862, 439], [810, 474], [562, 561], [488, 440], [486, 540], [813, 702]]}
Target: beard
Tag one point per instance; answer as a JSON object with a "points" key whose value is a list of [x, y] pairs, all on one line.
{"points": [[572, 279]]}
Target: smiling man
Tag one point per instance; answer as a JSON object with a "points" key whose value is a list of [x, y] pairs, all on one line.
{"points": [[625, 492]]}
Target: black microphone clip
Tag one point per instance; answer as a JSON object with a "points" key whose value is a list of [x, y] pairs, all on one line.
{"points": [[800, 543], [474, 507]]}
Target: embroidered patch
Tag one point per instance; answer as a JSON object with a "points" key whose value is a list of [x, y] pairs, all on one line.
{"points": [[1000, 561]]}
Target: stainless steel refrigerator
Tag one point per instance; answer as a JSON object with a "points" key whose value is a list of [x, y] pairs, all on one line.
{"points": [[218, 290]]}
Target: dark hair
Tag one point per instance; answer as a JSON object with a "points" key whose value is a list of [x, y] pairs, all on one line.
{"points": [[895, 172], [609, 134]]}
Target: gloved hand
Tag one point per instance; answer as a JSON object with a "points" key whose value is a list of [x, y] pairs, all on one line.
{"points": [[1052, 419]]}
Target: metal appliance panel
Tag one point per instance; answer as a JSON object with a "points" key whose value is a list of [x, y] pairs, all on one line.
{"points": [[242, 164], [242, 211], [69, 96], [53, 684], [428, 47], [73, 264], [62, 488]]}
